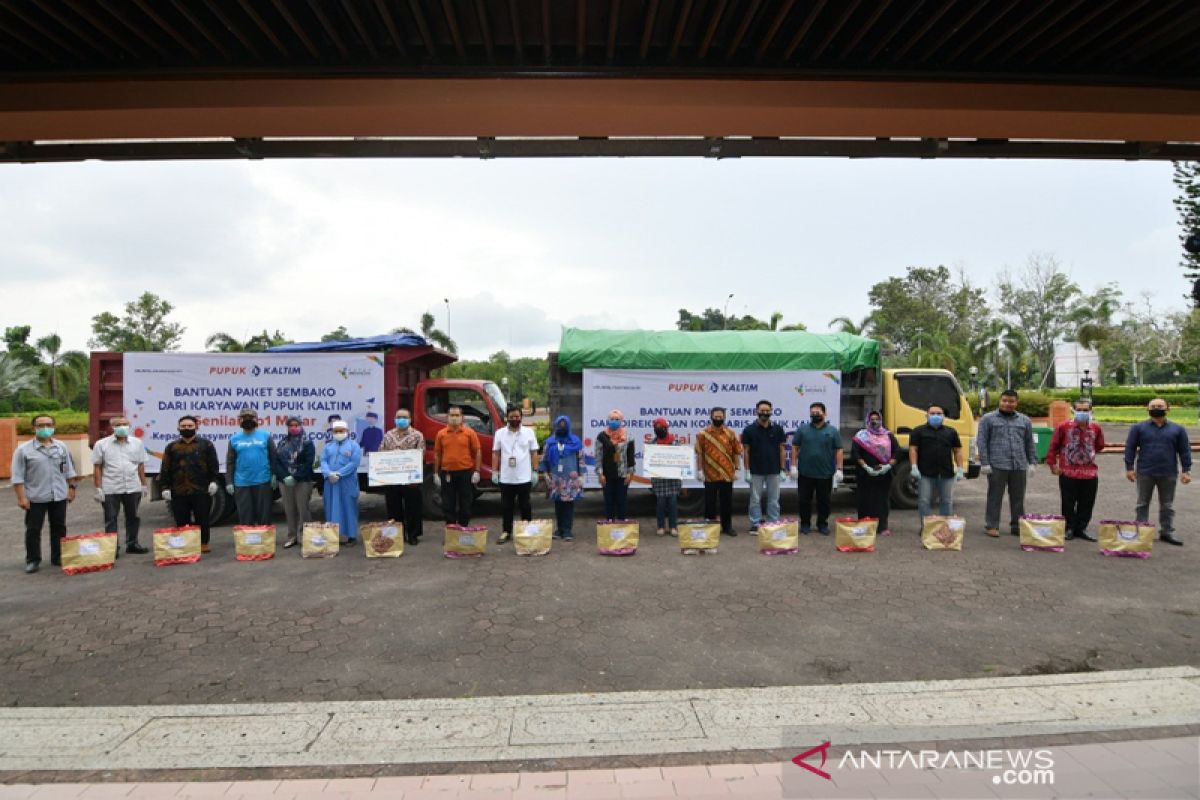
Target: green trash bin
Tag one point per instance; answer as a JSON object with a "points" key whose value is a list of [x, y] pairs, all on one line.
{"points": [[1041, 441]]}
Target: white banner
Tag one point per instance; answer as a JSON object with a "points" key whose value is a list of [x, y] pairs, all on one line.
{"points": [[684, 399], [396, 467], [213, 387]]}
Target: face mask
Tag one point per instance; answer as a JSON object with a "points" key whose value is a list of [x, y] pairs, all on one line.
{"points": [[614, 424], [514, 423], [561, 433], [874, 425], [249, 424], [402, 423], [717, 422], [764, 416], [1083, 416], [187, 434], [660, 432], [816, 418], [1007, 413], [936, 420], [45, 433], [121, 431], [340, 436], [1158, 413], [294, 431]]}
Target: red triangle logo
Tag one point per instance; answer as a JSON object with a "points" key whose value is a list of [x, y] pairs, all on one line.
{"points": [[822, 748]]}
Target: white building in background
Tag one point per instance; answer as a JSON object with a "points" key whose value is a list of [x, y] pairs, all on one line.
{"points": [[1070, 361]]}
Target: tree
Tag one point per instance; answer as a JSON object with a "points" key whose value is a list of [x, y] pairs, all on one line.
{"points": [[222, 342], [714, 320], [15, 376], [998, 346], [62, 370], [16, 340], [430, 333], [1040, 301], [847, 325], [338, 334], [1187, 205], [143, 328]]}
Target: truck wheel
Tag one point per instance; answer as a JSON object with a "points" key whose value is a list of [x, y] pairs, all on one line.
{"points": [[904, 487], [431, 500], [691, 503], [222, 508]]}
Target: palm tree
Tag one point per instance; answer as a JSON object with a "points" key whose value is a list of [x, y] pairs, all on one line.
{"points": [[63, 370], [430, 333], [222, 342], [999, 341], [935, 350], [16, 377], [847, 325]]}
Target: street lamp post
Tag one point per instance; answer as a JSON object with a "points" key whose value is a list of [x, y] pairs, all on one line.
{"points": [[446, 300], [1085, 385], [725, 312]]}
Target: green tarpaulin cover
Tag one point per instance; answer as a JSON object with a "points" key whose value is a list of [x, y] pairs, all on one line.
{"points": [[715, 350]]}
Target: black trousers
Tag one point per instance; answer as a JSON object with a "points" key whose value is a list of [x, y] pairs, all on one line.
{"points": [[1078, 499], [113, 505], [35, 517], [719, 493], [192, 509], [457, 496], [806, 487], [404, 505], [510, 495], [873, 496]]}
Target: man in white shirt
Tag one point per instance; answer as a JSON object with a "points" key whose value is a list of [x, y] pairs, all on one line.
{"points": [[514, 462], [120, 479]]}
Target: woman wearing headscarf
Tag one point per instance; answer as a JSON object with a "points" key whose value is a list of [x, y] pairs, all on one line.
{"points": [[615, 461], [293, 467], [874, 450], [339, 466], [562, 465], [666, 490]]}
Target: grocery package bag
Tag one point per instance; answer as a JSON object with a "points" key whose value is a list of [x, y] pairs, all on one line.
{"points": [[319, 539], [1119, 538], [254, 542], [176, 545], [1045, 532], [465, 542], [855, 534], [382, 539], [88, 552], [943, 533], [533, 538], [779, 538], [699, 534], [617, 537]]}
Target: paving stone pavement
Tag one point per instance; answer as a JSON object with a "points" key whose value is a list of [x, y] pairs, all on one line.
{"points": [[350, 628]]}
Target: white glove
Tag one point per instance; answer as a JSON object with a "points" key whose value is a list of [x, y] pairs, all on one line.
{"points": [[986, 469], [212, 489], [437, 479], [99, 495], [145, 490], [229, 489], [274, 483], [884, 469], [474, 477], [1032, 468], [700, 476], [334, 477], [166, 495], [794, 474], [916, 472], [839, 477], [746, 475], [289, 481], [958, 473], [870, 470]]}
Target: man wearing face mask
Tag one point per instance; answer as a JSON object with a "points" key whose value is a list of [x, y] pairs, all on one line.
{"points": [[762, 459], [293, 468], [718, 452], [43, 478], [1072, 457], [1154, 452], [1007, 455], [188, 477], [935, 453], [817, 466], [404, 502], [339, 467], [248, 474], [119, 475], [457, 457], [514, 460]]}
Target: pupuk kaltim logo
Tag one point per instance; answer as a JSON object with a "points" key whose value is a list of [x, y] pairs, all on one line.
{"points": [[801, 760]]}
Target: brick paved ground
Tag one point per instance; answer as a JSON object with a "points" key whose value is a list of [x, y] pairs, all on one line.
{"points": [[422, 626]]}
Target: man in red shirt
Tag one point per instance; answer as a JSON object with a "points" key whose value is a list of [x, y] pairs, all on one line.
{"points": [[1072, 457]]}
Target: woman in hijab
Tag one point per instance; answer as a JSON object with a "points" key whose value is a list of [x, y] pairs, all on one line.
{"points": [[615, 460], [562, 465], [874, 451], [294, 457], [666, 490]]}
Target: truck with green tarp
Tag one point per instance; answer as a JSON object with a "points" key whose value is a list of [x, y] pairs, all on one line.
{"points": [[682, 375]]}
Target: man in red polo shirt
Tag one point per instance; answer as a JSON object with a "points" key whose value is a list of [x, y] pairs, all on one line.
{"points": [[1072, 457]]}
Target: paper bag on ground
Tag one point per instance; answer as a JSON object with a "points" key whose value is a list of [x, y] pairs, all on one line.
{"points": [[1122, 538], [943, 533], [382, 539], [88, 552], [533, 538], [699, 535], [254, 542], [856, 535], [319, 539], [465, 542], [779, 538], [176, 545], [617, 537], [1045, 532]]}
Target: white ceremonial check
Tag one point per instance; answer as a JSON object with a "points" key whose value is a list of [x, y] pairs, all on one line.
{"points": [[396, 467], [668, 461]]}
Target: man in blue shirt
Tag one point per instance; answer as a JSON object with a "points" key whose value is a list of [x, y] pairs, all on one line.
{"points": [[1159, 447], [248, 475], [816, 466], [762, 456]]}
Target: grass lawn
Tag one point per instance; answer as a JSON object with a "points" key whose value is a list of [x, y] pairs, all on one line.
{"points": [[1184, 415]]}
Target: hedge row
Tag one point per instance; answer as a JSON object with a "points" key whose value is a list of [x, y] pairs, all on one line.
{"points": [[1131, 395]]}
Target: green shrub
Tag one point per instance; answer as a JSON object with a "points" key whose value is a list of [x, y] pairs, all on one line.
{"points": [[31, 404], [66, 421], [1131, 395]]}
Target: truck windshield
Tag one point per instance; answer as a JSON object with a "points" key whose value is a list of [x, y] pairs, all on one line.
{"points": [[497, 396], [923, 390]]}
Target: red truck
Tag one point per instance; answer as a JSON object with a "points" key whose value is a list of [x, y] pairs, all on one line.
{"points": [[407, 362]]}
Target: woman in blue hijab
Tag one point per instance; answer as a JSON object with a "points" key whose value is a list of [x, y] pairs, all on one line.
{"points": [[562, 464]]}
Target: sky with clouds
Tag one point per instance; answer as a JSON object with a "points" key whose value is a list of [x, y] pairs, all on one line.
{"points": [[522, 248]]}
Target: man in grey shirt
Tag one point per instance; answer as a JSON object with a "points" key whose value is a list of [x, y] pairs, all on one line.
{"points": [[43, 477], [1007, 456]]}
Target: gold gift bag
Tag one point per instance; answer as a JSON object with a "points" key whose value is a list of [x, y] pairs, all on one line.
{"points": [[856, 535], [1045, 532], [176, 545], [382, 539], [465, 542], [779, 538], [1121, 538], [699, 536], [88, 552], [319, 540], [943, 533], [617, 537], [533, 538], [254, 542]]}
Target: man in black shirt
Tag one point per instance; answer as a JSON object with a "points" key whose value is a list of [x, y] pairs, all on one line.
{"points": [[935, 453], [763, 456]]}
